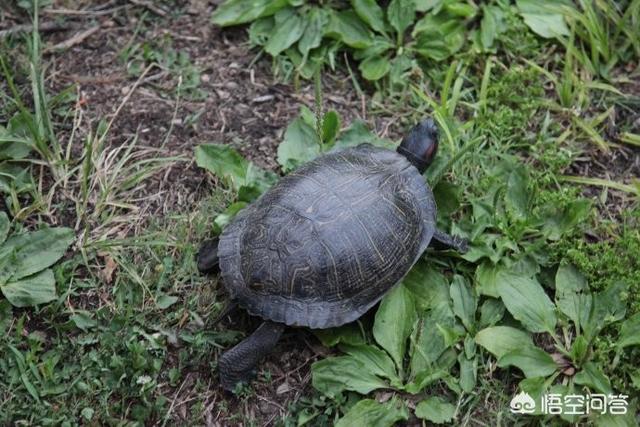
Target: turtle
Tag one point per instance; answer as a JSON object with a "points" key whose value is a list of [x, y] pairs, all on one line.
{"points": [[327, 242]]}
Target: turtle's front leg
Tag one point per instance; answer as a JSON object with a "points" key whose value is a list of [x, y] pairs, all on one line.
{"points": [[444, 241], [237, 365]]}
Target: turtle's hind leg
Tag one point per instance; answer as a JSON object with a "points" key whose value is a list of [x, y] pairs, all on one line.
{"points": [[237, 365], [207, 257], [444, 241]]}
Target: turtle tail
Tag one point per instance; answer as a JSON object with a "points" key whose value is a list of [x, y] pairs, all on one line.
{"points": [[237, 365]]}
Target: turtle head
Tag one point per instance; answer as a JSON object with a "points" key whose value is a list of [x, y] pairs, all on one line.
{"points": [[421, 144]]}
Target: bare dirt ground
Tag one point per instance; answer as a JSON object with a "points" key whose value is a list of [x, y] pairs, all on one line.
{"points": [[236, 101]]}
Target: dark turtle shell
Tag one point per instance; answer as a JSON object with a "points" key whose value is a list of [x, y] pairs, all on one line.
{"points": [[327, 242]]}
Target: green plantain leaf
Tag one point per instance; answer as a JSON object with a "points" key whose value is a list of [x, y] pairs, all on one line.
{"points": [[630, 332], [371, 13], [465, 302], [374, 67], [349, 29], [4, 226], [39, 288], [401, 14], [427, 343], [375, 360], [6, 316], [436, 409], [30, 253], [560, 220], [609, 306], [317, 21], [500, 340], [394, 321], [532, 361], [570, 300], [359, 133], [234, 12], [486, 282], [545, 18], [334, 375], [428, 285], [226, 163], [369, 412], [527, 302], [83, 320], [330, 127], [346, 334], [593, 377], [438, 36], [468, 372], [285, 34], [569, 280], [491, 25], [517, 198], [225, 217], [300, 145], [491, 312]]}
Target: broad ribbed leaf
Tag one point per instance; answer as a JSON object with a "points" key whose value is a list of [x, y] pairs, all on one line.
{"points": [[224, 162], [527, 302], [330, 127], [630, 332], [491, 312], [517, 198], [569, 279], [300, 145], [374, 67], [532, 361], [37, 289], [370, 12], [346, 334], [317, 20], [376, 361], [468, 372], [32, 252], [357, 134], [465, 302], [234, 12], [401, 14], [4, 226], [428, 285], [545, 18], [349, 29], [594, 378], [500, 340], [334, 375], [436, 409], [427, 343], [488, 26], [285, 34], [609, 306], [369, 412], [394, 321]]}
